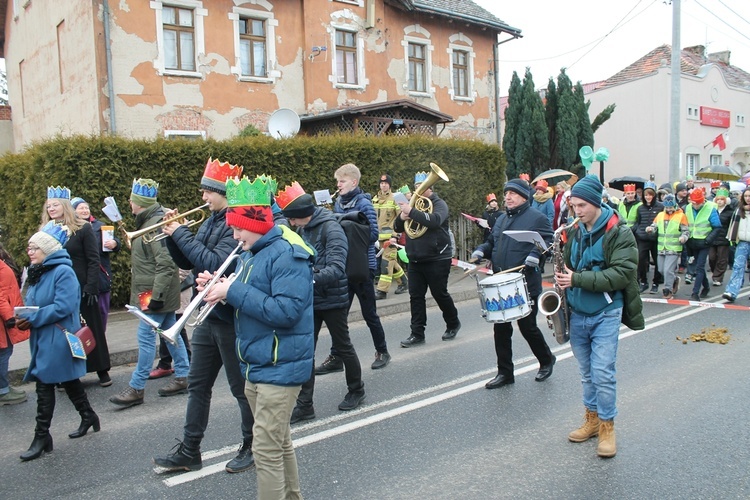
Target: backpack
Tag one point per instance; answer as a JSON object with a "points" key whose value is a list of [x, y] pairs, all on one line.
{"points": [[357, 230]]}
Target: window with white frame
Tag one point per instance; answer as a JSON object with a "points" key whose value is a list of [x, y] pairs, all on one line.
{"points": [[460, 73], [417, 67], [715, 160], [691, 164], [179, 36], [346, 57], [693, 112], [418, 58], [461, 57], [254, 44], [740, 121], [190, 135]]}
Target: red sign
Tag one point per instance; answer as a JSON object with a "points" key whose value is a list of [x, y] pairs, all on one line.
{"points": [[715, 117]]}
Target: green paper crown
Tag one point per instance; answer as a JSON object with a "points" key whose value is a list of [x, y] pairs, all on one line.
{"points": [[243, 193], [272, 184]]}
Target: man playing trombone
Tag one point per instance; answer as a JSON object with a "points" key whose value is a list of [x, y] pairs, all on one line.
{"points": [[213, 342]]}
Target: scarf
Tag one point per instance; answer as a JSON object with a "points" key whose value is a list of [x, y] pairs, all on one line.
{"points": [[36, 271]]}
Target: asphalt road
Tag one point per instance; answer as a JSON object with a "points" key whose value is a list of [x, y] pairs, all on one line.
{"points": [[429, 429]]}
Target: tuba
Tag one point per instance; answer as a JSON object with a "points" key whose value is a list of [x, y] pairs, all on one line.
{"points": [[413, 229], [552, 303]]}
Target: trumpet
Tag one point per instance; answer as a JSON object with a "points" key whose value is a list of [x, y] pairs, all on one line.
{"points": [[148, 238], [195, 314]]}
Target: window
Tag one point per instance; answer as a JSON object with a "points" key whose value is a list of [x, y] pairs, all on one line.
{"points": [[179, 36], [252, 47], [691, 166], [714, 160], [346, 57], [417, 63], [740, 121], [693, 113], [190, 135], [460, 73]]}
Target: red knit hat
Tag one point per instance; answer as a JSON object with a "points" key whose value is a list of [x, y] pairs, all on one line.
{"points": [[697, 196], [250, 204]]}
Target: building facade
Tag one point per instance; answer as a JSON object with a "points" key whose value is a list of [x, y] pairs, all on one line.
{"points": [[210, 68]]}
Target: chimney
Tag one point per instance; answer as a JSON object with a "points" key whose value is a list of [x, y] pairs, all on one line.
{"points": [[698, 50], [722, 57]]}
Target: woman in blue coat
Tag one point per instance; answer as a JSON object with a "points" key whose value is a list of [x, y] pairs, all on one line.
{"points": [[54, 289]]}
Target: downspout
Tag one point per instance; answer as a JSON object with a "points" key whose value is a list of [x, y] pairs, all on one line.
{"points": [[108, 58]]}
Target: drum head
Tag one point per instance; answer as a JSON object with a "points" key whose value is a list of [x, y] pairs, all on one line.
{"points": [[499, 279]]}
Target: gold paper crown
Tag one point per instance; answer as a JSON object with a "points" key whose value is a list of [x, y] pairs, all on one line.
{"points": [[289, 194], [243, 193], [221, 171], [628, 188]]}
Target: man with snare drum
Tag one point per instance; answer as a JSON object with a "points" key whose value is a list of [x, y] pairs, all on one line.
{"points": [[508, 253]]}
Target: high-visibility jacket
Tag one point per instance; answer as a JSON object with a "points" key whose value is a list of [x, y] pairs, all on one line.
{"points": [[669, 232], [699, 223], [629, 214]]}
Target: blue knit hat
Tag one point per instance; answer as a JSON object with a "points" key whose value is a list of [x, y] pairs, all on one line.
{"points": [[589, 189], [77, 201], [669, 201], [518, 186]]}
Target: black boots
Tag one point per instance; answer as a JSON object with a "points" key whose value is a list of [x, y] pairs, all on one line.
{"points": [[45, 407], [185, 458], [77, 395]]}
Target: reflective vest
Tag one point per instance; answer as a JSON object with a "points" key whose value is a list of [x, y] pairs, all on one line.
{"points": [[669, 233], [699, 224], [629, 216]]}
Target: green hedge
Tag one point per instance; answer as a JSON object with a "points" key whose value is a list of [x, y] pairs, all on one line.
{"points": [[96, 167]]}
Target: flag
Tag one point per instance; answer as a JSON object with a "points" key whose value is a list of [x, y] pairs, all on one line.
{"points": [[720, 142]]}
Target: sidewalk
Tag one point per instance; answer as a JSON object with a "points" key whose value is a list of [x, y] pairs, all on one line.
{"points": [[122, 326]]}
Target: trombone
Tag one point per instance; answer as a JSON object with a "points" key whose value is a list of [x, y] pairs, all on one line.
{"points": [[148, 238]]}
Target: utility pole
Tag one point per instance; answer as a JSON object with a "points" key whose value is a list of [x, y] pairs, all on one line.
{"points": [[675, 106]]}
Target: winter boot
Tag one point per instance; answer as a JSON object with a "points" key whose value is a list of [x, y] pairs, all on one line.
{"points": [[185, 458], [45, 408], [589, 429], [404, 286], [77, 395], [607, 447]]}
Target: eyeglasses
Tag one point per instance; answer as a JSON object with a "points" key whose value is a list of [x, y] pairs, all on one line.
{"points": [[31, 249]]}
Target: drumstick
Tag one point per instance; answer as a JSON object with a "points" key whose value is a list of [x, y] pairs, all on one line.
{"points": [[512, 269]]}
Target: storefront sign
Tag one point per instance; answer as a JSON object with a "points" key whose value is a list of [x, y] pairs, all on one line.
{"points": [[715, 117]]}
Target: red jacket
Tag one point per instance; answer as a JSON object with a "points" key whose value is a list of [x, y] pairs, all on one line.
{"points": [[10, 297]]}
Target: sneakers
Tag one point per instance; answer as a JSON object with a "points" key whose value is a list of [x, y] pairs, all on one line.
{"points": [[716, 283], [330, 364], [402, 288], [675, 285], [412, 341], [128, 397], [182, 459], [643, 287], [654, 288], [13, 397], [381, 360], [300, 413], [177, 385], [667, 293], [160, 372], [244, 459], [728, 297], [704, 293], [688, 278], [379, 295], [352, 400]]}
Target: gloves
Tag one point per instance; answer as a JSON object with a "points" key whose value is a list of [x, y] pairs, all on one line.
{"points": [[531, 261], [23, 324], [475, 256], [155, 305], [90, 299], [683, 239], [10, 323]]}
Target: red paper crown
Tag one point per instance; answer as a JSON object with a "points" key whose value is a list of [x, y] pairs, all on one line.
{"points": [[491, 197], [289, 194], [715, 184], [628, 188], [221, 171]]}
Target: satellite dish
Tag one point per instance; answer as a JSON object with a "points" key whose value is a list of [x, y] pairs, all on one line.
{"points": [[284, 123]]}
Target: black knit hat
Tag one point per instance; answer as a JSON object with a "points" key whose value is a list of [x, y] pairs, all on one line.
{"points": [[518, 186], [386, 178], [302, 207]]}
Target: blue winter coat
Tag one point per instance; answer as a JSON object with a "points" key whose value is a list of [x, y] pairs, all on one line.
{"points": [[327, 237], [205, 251], [273, 301], [58, 296], [357, 201]]}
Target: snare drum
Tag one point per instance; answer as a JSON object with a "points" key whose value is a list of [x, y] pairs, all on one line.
{"points": [[504, 298]]}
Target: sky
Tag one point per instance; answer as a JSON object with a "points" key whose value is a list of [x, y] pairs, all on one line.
{"points": [[594, 39]]}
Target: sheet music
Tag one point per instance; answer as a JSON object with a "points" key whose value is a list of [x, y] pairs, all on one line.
{"points": [[323, 197], [527, 237]]}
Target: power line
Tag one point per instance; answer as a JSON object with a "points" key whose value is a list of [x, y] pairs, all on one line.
{"points": [[703, 22], [720, 19], [733, 12]]}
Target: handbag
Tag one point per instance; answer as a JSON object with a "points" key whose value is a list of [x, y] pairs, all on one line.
{"points": [[81, 342]]}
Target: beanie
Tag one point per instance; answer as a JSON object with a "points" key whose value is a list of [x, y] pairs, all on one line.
{"points": [[696, 195], [669, 201], [299, 208], [144, 192], [51, 238], [681, 186], [77, 201], [216, 173], [386, 178], [589, 189], [666, 187], [518, 186]]}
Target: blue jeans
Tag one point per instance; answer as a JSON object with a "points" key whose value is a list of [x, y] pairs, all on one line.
{"points": [[738, 268], [5, 354], [593, 340], [699, 276], [147, 350]]}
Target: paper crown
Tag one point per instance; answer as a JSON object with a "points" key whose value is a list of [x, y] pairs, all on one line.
{"points": [[420, 177], [525, 177], [243, 193], [58, 192], [147, 188], [404, 189], [722, 192], [221, 171], [715, 184], [491, 197], [628, 188], [273, 185], [650, 185], [57, 231], [289, 194]]}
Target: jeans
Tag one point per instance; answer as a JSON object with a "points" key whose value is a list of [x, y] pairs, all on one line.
{"points": [[213, 346], [647, 251], [700, 278], [593, 340], [741, 253], [533, 336], [275, 460], [147, 350], [336, 321], [435, 276], [365, 292], [5, 354]]}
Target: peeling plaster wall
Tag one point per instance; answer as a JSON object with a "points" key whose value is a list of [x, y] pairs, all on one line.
{"points": [[59, 93]]}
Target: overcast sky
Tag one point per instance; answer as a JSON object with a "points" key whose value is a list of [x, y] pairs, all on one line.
{"points": [[595, 39]]}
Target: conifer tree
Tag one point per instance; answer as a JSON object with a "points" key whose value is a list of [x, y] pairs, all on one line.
{"points": [[602, 117], [532, 141], [550, 111], [585, 134], [568, 123], [512, 119]]}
